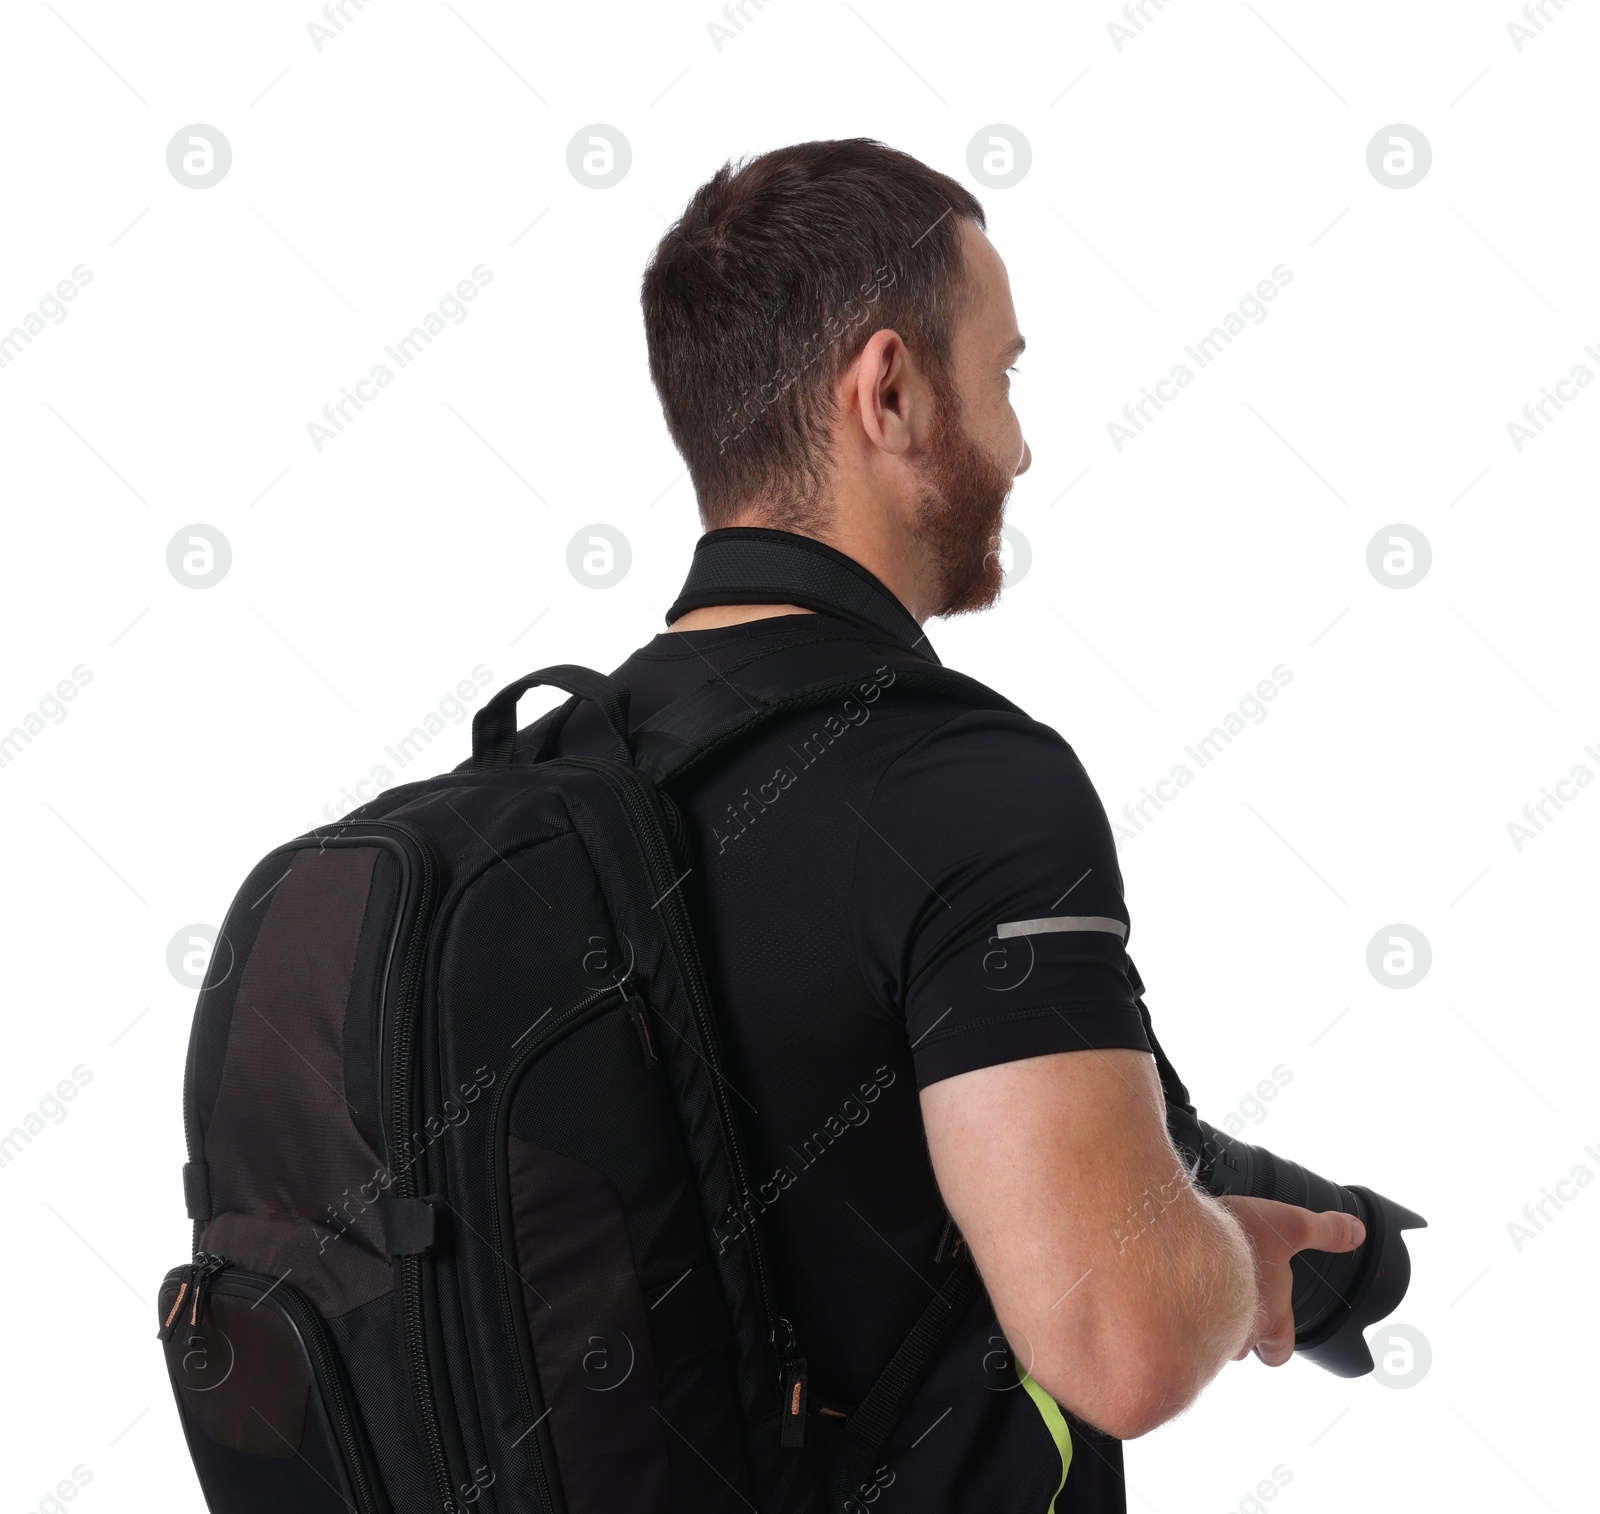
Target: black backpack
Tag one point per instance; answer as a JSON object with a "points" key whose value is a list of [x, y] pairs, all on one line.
{"points": [[472, 1224]]}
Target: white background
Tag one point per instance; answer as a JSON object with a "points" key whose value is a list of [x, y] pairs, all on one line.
{"points": [[1167, 578]]}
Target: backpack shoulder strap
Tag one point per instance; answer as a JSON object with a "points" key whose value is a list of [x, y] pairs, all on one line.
{"points": [[867, 1431], [794, 674]]}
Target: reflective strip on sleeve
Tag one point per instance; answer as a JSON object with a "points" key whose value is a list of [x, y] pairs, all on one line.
{"points": [[1054, 923], [1056, 1423]]}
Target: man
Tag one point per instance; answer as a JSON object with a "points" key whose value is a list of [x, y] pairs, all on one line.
{"points": [[912, 911]]}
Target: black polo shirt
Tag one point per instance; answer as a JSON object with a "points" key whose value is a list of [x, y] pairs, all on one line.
{"points": [[892, 892]]}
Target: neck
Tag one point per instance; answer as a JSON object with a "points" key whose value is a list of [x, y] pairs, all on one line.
{"points": [[876, 540]]}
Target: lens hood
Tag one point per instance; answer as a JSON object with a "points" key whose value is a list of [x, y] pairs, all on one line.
{"points": [[1337, 1343]]}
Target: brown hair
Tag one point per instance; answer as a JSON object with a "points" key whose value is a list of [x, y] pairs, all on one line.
{"points": [[775, 276]]}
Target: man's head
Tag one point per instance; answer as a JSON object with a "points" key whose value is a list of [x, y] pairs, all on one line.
{"points": [[830, 333]]}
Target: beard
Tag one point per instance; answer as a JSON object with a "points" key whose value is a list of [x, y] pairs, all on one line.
{"points": [[960, 509]]}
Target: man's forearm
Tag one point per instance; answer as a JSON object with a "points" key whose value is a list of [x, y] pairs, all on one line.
{"points": [[1122, 1287], [1225, 1286], [1200, 1276]]}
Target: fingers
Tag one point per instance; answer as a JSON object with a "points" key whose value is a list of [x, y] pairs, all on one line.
{"points": [[1277, 1231], [1330, 1231], [1274, 1342], [1277, 1347]]}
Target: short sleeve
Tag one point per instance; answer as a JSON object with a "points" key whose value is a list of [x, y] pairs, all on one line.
{"points": [[987, 899]]}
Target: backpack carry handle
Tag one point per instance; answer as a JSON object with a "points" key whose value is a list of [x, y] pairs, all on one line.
{"points": [[494, 727]]}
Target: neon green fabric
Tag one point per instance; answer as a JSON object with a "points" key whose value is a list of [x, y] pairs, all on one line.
{"points": [[1056, 1423]]}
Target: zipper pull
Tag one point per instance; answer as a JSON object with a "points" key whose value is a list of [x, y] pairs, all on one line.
{"points": [[795, 1388], [641, 1023], [185, 1282], [795, 1403], [206, 1266]]}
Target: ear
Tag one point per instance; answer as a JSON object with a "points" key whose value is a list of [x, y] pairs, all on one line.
{"points": [[882, 389]]}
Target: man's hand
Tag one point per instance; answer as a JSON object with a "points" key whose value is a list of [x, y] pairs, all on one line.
{"points": [[1276, 1232]]}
